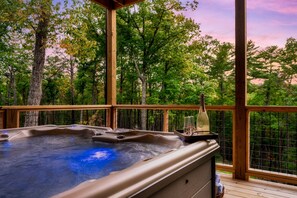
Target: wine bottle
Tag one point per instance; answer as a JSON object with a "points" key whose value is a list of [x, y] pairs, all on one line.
{"points": [[202, 118]]}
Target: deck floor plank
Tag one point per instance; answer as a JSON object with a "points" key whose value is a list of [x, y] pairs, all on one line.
{"points": [[260, 188], [256, 188]]}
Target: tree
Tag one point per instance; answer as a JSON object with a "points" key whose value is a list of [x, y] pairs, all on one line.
{"points": [[221, 69], [288, 62], [269, 70], [152, 26], [40, 27], [84, 42]]}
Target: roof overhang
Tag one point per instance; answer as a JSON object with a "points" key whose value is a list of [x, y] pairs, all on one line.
{"points": [[116, 4]]}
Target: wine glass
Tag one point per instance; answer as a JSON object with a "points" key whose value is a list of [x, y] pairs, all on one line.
{"points": [[189, 125]]}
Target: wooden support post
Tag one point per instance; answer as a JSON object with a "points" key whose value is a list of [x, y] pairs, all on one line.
{"points": [[165, 120], [111, 64], [240, 160], [2, 121], [107, 117], [12, 118]]}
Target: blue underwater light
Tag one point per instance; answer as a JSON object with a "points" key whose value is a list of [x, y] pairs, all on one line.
{"points": [[4, 131], [93, 160], [5, 147]]}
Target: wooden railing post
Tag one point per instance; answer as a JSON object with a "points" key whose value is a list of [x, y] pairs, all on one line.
{"points": [[12, 117], [2, 117], [113, 118], [165, 120], [107, 117]]}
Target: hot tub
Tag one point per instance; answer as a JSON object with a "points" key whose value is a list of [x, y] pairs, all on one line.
{"points": [[84, 161]]}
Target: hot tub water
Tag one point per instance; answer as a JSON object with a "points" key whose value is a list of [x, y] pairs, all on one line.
{"points": [[42, 166]]}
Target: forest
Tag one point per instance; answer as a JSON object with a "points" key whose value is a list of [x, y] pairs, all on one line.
{"points": [[54, 53]]}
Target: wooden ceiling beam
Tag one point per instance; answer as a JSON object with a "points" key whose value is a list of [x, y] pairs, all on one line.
{"points": [[116, 4], [121, 2], [105, 3], [125, 3]]}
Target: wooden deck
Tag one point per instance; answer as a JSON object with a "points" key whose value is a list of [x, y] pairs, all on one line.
{"points": [[256, 188]]}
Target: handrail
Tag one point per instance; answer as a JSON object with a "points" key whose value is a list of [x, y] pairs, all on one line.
{"points": [[18, 109], [174, 107], [286, 109], [159, 107], [279, 177], [55, 107]]}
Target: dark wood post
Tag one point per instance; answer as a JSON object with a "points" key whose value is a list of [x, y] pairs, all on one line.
{"points": [[2, 119], [240, 160], [12, 118]]}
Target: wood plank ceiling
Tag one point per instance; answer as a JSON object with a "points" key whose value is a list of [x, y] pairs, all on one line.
{"points": [[116, 4]]}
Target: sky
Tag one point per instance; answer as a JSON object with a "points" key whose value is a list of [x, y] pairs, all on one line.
{"points": [[269, 22]]}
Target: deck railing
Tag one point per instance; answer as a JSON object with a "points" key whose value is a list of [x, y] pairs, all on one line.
{"points": [[271, 150], [272, 143]]}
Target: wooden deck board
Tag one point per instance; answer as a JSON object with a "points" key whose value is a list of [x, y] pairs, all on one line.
{"points": [[256, 188]]}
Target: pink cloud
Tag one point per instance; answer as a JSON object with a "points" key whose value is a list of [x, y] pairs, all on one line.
{"points": [[265, 26], [213, 20], [283, 7], [284, 23], [267, 34], [227, 3], [268, 40]]}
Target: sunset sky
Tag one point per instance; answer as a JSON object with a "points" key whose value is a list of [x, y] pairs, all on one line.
{"points": [[269, 22]]}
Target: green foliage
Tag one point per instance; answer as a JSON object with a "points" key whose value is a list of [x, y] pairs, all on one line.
{"points": [[156, 45], [85, 41], [153, 42], [272, 72]]}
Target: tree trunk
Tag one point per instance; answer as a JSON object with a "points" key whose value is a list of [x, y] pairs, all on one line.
{"points": [[267, 94], [94, 87], [121, 85], [163, 97], [11, 92], [13, 85], [35, 91], [15, 101], [143, 79], [143, 102], [72, 87]]}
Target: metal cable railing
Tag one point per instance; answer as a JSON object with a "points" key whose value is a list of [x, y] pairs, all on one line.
{"points": [[220, 122], [86, 117], [273, 141]]}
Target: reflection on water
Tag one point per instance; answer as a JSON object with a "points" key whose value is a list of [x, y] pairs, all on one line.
{"points": [[43, 166]]}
